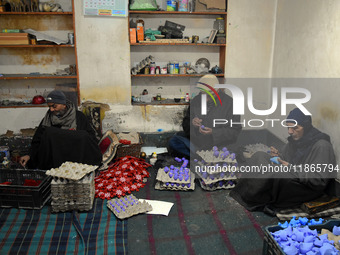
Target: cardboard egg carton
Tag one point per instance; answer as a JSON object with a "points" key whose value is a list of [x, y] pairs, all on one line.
{"points": [[224, 184], [175, 175], [214, 156], [175, 186], [128, 206], [72, 171], [72, 194]]}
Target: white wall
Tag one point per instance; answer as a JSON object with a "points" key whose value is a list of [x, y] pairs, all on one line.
{"points": [[307, 45]]}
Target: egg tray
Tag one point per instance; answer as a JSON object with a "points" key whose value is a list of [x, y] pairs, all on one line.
{"points": [[210, 180], [162, 176], [128, 206], [208, 157], [72, 171], [73, 195], [174, 186], [226, 184]]}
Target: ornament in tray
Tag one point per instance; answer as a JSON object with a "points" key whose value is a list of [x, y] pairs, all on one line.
{"points": [[218, 169], [128, 206], [175, 178]]}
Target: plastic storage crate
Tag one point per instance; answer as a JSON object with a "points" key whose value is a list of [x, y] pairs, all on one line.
{"points": [[270, 246], [20, 196]]}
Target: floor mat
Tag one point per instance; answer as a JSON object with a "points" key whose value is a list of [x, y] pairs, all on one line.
{"points": [[287, 214], [41, 232], [200, 222]]}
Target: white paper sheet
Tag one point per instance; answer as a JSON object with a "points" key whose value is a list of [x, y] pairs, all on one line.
{"points": [[159, 207]]}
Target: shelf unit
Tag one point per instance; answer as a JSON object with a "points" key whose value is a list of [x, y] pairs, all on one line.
{"points": [[173, 48], [28, 70]]}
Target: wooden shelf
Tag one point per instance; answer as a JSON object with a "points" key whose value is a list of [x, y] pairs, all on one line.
{"points": [[33, 77], [174, 75], [162, 102], [36, 13], [38, 46], [24, 106], [177, 12], [180, 44]]}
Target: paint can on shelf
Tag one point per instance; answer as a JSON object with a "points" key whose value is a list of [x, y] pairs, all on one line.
{"points": [[171, 68], [171, 5], [176, 68], [183, 5]]}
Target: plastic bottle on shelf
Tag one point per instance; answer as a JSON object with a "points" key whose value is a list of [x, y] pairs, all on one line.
{"points": [[187, 99]]}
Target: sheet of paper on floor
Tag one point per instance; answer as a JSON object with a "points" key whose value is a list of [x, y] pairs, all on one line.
{"points": [[159, 207], [149, 150]]}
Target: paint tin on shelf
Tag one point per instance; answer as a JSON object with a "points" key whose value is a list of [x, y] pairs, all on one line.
{"points": [[176, 68]]}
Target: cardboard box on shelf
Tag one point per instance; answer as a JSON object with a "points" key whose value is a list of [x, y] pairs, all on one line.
{"points": [[140, 33], [210, 5], [133, 35]]}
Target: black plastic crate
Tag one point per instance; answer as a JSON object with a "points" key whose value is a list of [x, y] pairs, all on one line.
{"points": [[270, 246], [20, 196]]}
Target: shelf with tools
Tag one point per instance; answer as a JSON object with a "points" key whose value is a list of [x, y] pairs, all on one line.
{"points": [[194, 41], [37, 55]]}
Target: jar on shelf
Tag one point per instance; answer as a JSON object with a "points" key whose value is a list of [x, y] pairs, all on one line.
{"points": [[152, 68], [219, 25], [158, 69]]}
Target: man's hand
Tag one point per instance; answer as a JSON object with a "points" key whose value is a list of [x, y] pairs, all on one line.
{"points": [[274, 152], [196, 122], [24, 159], [285, 163], [205, 130]]}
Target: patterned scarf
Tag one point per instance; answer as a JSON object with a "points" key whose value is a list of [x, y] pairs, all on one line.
{"points": [[67, 121]]}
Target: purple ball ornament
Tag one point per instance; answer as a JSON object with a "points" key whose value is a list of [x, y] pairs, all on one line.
{"points": [[215, 148], [202, 126], [216, 154], [166, 169], [336, 231], [178, 159]]}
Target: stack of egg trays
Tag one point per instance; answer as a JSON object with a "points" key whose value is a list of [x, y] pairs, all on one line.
{"points": [[175, 178], [217, 169], [127, 206], [70, 194]]}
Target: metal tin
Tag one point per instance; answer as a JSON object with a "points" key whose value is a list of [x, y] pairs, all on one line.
{"points": [[176, 68], [70, 38], [172, 68], [146, 70]]}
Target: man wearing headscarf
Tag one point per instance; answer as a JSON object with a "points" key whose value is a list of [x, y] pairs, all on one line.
{"points": [[306, 149], [198, 131], [64, 134]]}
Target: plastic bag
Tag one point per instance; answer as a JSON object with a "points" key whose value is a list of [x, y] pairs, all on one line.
{"points": [[145, 5]]}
